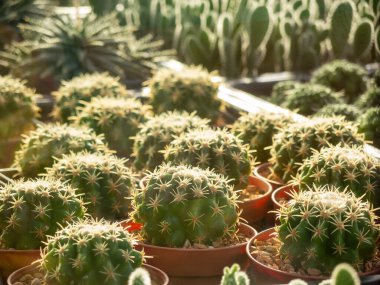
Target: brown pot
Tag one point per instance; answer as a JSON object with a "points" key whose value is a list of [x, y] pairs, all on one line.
{"points": [[11, 260], [263, 171], [282, 193], [157, 276]]}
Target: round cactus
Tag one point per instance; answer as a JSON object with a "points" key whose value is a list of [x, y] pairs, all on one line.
{"points": [[369, 125], [181, 204], [117, 118], [348, 112], [90, 252], [139, 276], [191, 89], [233, 276], [257, 130], [30, 210], [103, 180], [158, 132], [214, 149], [50, 141], [83, 88], [280, 91], [295, 142], [371, 98], [323, 227], [343, 167]]}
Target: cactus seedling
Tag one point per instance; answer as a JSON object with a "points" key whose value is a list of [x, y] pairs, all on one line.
{"points": [[233, 276], [348, 112], [369, 125]]}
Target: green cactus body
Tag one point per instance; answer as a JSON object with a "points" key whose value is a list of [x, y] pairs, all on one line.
{"points": [[30, 210], [348, 112], [323, 227], [74, 93], [88, 253], [233, 276], [371, 98], [117, 118], [158, 132], [257, 130], [280, 91], [344, 274], [369, 125], [363, 39], [139, 276], [181, 204], [41, 146], [214, 149], [103, 180], [191, 89], [295, 142]]}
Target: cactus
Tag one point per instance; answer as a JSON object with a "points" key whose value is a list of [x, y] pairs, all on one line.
{"points": [[103, 181], [41, 146], [295, 142], [313, 230], [214, 149], [369, 125], [179, 203], [90, 252], [233, 276], [348, 112], [139, 276], [31, 210], [377, 41], [157, 133], [117, 118], [371, 98], [191, 89], [280, 91], [363, 39], [257, 130], [341, 75], [83, 88]]}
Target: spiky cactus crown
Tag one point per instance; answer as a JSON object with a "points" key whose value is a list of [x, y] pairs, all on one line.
{"points": [[18, 107], [41, 146], [191, 89], [345, 167], [369, 125], [158, 132], [295, 142], [348, 112], [323, 227], [371, 98], [32, 209], [83, 88], [257, 130], [341, 75], [117, 118], [280, 91], [184, 203], [103, 180], [215, 149], [90, 252]]}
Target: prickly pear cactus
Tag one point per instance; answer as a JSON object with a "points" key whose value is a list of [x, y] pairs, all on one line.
{"points": [[371, 98], [158, 132], [280, 91], [103, 181], [344, 167], [83, 88], [369, 125], [139, 276], [323, 227], [179, 203], [41, 146], [233, 276], [295, 142], [117, 118], [191, 89], [257, 130], [90, 252], [213, 149], [348, 112], [31, 210]]}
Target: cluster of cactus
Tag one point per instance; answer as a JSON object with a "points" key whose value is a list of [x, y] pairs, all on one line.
{"points": [[31, 210], [257, 130], [213, 149], [233, 276], [90, 252], [179, 203], [348, 112], [72, 94], [41, 146], [117, 118], [158, 132], [369, 125], [295, 142], [313, 230], [191, 89], [280, 91], [102, 180]]}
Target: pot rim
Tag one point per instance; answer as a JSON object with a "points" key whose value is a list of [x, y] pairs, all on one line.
{"points": [[257, 173], [268, 190], [289, 188]]}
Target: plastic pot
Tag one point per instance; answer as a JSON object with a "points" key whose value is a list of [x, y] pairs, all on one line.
{"points": [[263, 171], [11, 260], [282, 193]]}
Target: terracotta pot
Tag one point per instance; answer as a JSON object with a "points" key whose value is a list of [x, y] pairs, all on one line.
{"points": [[11, 260], [157, 276], [282, 193], [262, 171], [254, 210]]}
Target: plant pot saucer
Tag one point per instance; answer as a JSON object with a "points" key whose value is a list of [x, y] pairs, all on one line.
{"points": [[263, 171], [12, 259]]}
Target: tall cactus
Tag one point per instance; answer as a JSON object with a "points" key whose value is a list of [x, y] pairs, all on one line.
{"points": [[363, 39]]}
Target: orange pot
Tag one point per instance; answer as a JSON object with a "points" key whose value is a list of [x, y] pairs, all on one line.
{"points": [[282, 193], [11, 260], [262, 171]]}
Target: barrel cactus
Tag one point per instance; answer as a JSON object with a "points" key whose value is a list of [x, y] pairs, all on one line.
{"points": [[83, 88], [103, 181], [90, 252], [280, 89], [31, 210], [191, 89], [348, 112], [214, 149], [117, 118], [158, 132], [323, 227], [181, 204], [41, 146], [295, 142], [257, 130], [371, 98], [369, 125]]}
